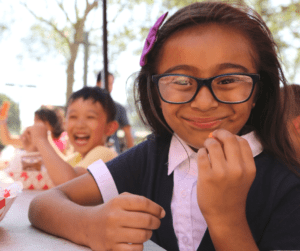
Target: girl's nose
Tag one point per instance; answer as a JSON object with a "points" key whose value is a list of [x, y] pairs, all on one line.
{"points": [[204, 100]]}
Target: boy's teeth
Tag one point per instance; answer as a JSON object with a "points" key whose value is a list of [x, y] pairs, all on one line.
{"points": [[81, 135], [81, 141]]}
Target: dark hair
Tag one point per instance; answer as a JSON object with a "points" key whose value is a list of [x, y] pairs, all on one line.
{"points": [[294, 93], [96, 94], [99, 76], [267, 115], [50, 116]]}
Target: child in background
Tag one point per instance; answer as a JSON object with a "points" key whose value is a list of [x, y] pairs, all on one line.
{"points": [[54, 126], [44, 115], [211, 67], [89, 121]]}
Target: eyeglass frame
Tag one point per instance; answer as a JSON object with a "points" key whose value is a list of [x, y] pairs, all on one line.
{"points": [[206, 82]]}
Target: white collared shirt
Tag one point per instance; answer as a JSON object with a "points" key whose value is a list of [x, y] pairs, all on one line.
{"points": [[188, 221]]}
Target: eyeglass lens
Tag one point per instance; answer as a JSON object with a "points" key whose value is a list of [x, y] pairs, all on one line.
{"points": [[230, 88]]}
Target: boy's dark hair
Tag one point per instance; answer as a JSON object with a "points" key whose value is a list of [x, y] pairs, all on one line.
{"points": [[50, 116], [267, 115], [96, 94], [99, 76]]}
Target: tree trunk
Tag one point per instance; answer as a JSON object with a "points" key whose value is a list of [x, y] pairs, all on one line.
{"points": [[70, 69]]}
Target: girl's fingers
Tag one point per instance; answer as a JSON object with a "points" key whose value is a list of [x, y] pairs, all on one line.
{"points": [[139, 220], [129, 247], [216, 154], [203, 160], [133, 235], [231, 149], [247, 156], [136, 203]]}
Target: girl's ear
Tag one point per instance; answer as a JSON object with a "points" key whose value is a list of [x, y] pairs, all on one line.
{"points": [[111, 128], [253, 105]]}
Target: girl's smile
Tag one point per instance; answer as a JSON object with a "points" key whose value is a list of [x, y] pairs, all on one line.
{"points": [[204, 123], [205, 52]]}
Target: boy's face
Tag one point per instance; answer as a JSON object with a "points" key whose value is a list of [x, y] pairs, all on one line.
{"points": [[86, 125]]}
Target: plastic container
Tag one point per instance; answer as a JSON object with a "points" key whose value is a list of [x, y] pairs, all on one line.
{"points": [[9, 190]]}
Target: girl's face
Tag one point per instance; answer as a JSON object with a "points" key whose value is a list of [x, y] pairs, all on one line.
{"points": [[204, 52]]}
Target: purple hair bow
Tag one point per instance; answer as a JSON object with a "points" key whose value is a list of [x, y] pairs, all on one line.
{"points": [[151, 38]]}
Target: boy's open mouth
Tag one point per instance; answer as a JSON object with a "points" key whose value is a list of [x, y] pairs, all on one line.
{"points": [[81, 138]]}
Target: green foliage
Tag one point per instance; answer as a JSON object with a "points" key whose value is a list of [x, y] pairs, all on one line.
{"points": [[6, 19], [13, 120], [49, 39], [62, 31], [2, 28]]}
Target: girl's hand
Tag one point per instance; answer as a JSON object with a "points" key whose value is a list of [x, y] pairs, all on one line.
{"points": [[27, 141], [226, 171], [38, 132], [123, 223]]}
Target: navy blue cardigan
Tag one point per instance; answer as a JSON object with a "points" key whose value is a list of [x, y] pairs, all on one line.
{"points": [[273, 203]]}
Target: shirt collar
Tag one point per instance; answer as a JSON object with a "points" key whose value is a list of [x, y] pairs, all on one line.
{"points": [[180, 151]]}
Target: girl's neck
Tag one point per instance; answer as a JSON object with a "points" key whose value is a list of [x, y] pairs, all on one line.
{"points": [[194, 149]]}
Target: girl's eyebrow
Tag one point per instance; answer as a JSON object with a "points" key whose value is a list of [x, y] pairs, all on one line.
{"points": [[181, 67], [222, 66], [225, 66]]}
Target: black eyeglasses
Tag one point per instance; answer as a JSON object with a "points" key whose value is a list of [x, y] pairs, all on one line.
{"points": [[232, 88]]}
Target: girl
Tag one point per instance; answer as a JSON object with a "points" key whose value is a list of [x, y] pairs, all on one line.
{"points": [[211, 68], [47, 117], [55, 126]]}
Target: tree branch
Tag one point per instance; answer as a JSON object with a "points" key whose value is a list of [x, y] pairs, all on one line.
{"points": [[89, 7], [60, 5], [76, 10], [49, 23], [121, 7]]}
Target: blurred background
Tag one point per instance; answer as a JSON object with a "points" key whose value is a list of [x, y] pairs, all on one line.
{"points": [[48, 49]]}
